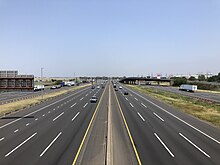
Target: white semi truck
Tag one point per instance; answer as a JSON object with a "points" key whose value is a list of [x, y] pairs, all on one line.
{"points": [[188, 88]]}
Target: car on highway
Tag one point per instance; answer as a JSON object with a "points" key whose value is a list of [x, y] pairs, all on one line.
{"points": [[53, 87], [120, 87], [125, 93], [93, 87], [93, 99], [116, 89], [98, 87]]}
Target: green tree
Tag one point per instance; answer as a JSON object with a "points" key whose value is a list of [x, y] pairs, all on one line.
{"points": [[58, 82], [177, 81], [201, 77], [192, 78], [215, 78]]}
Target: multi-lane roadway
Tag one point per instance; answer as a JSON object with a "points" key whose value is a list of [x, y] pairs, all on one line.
{"points": [[7, 97], [213, 97], [118, 129]]}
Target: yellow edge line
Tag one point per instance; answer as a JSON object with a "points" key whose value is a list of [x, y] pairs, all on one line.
{"points": [[129, 134], [87, 130]]}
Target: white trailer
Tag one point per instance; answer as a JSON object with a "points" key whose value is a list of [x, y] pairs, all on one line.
{"points": [[69, 83], [38, 87], [188, 88]]}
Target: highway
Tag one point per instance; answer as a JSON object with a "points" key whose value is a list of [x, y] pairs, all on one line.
{"points": [[164, 135], [118, 129], [50, 133], [7, 97], [213, 97]]}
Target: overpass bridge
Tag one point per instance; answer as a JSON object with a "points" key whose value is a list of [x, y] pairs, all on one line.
{"points": [[145, 80]]}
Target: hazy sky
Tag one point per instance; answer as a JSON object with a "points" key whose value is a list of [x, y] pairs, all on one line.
{"points": [[110, 37]]}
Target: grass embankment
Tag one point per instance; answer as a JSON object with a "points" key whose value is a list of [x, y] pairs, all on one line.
{"points": [[203, 110], [15, 106]]}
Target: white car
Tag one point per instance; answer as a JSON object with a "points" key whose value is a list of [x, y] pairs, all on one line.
{"points": [[53, 87], [120, 87], [93, 99], [98, 87]]}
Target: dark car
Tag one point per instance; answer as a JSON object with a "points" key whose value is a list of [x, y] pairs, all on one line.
{"points": [[93, 87], [116, 89], [125, 93]]}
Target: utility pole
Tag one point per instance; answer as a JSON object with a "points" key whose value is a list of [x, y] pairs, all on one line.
{"points": [[75, 78], [41, 73]]}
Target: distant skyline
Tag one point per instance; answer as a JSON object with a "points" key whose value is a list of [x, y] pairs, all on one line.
{"points": [[110, 38]]}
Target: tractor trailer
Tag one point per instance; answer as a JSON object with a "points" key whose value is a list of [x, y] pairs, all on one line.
{"points": [[188, 88]]}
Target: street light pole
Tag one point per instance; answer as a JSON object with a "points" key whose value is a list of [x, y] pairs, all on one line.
{"points": [[41, 69], [75, 78]]}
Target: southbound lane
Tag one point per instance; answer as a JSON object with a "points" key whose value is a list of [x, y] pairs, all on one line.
{"points": [[163, 139]]}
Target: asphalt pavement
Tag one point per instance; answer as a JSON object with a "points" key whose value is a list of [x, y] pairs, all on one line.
{"points": [[214, 97], [7, 97], [51, 135], [164, 135], [118, 129]]}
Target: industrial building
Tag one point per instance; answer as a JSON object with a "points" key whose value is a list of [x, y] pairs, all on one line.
{"points": [[11, 81]]}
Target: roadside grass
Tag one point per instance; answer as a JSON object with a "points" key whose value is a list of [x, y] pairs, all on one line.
{"points": [[203, 110], [208, 91], [19, 105]]}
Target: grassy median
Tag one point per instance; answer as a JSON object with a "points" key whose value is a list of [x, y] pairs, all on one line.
{"points": [[201, 109], [19, 105]]}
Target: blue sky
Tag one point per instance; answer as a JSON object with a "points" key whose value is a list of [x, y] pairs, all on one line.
{"points": [[110, 37]]}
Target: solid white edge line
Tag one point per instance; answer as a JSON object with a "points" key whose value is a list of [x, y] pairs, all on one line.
{"points": [[85, 105], [164, 145], [72, 105], [176, 117], [158, 116], [141, 116], [58, 116], [195, 145], [43, 108], [20, 145], [131, 105], [75, 116], [51, 143]]}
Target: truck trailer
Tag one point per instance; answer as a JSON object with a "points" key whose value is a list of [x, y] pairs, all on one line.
{"points": [[188, 88]]}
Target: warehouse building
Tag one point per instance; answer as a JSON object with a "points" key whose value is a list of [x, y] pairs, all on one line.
{"points": [[11, 81]]}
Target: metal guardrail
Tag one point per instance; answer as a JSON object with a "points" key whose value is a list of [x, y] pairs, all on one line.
{"points": [[201, 98], [196, 97], [18, 99], [24, 97]]}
